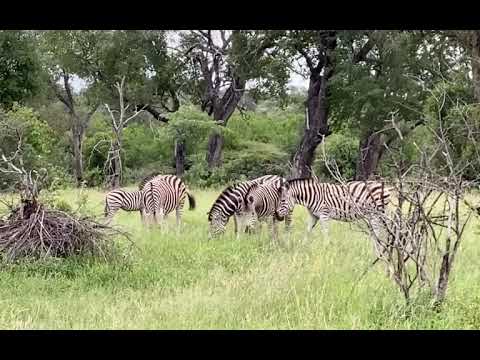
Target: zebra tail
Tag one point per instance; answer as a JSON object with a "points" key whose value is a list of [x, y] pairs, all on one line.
{"points": [[191, 201], [154, 210], [105, 211]]}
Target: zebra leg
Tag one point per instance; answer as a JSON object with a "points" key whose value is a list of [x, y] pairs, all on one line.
{"points": [[178, 216], [288, 223], [159, 217], [311, 224], [237, 222], [179, 211], [274, 229], [142, 217]]}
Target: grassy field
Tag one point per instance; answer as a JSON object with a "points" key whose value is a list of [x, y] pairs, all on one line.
{"points": [[190, 282]]}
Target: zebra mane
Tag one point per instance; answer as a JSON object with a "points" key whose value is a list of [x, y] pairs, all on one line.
{"points": [[148, 178], [289, 181], [222, 194]]}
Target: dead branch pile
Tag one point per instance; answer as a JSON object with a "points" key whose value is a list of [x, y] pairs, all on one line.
{"points": [[32, 230]]}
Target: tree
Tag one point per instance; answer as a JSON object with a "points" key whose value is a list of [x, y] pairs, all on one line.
{"points": [[59, 49], [223, 63], [20, 71], [317, 48], [469, 40], [99, 57], [152, 75], [114, 159], [380, 85]]}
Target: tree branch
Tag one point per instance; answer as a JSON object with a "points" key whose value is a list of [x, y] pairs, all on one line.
{"points": [[361, 55]]}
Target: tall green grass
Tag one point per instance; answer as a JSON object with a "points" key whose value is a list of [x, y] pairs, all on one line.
{"points": [[171, 280]]}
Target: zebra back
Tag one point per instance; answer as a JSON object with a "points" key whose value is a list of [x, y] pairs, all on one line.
{"points": [[342, 201], [147, 178], [122, 199], [231, 199], [168, 188]]}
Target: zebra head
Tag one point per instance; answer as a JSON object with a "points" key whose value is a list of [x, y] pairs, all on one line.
{"points": [[248, 212], [217, 222], [286, 201]]}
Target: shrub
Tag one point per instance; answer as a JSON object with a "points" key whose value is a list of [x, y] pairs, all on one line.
{"points": [[341, 148]]}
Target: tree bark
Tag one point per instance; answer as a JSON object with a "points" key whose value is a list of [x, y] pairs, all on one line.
{"points": [[78, 124], [316, 127], [316, 122], [222, 111], [476, 64], [215, 150], [77, 144], [442, 284], [116, 166], [369, 155], [180, 151]]}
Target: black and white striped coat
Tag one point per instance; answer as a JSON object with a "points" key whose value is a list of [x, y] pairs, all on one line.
{"points": [[325, 201], [230, 203], [125, 200], [261, 202], [165, 193]]}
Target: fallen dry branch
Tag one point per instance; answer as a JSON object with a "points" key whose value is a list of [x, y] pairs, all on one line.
{"points": [[34, 231]]}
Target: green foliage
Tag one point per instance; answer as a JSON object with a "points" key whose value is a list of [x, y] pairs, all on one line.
{"points": [[252, 160], [365, 93], [340, 149], [39, 147], [20, 71], [450, 110]]}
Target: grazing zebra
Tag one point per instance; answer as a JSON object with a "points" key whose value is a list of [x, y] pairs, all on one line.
{"points": [[261, 202], [125, 200], [229, 203], [163, 193], [324, 201]]}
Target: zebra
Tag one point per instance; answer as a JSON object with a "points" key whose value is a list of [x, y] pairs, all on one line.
{"points": [[230, 203], [126, 200], [163, 194], [260, 204], [325, 201]]}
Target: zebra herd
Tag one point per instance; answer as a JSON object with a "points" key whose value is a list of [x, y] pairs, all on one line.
{"points": [[269, 198], [158, 195]]}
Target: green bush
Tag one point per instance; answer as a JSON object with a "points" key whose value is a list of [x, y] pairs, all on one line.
{"points": [[40, 149], [254, 159], [341, 148]]}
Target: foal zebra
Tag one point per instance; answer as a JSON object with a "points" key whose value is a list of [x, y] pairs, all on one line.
{"points": [[163, 194], [230, 203], [324, 201], [125, 200], [260, 204]]}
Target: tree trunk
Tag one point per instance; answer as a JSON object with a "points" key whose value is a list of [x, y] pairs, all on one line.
{"points": [[442, 284], [77, 143], [116, 161], [316, 126], [116, 167], [222, 111], [476, 64], [180, 157], [370, 152], [316, 122], [215, 150]]}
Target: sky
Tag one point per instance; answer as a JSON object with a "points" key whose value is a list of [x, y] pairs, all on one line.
{"points": [[295, 80], [172, 40]]}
